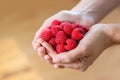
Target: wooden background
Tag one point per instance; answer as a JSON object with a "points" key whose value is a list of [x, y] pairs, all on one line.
{"points": [[20, 19]]}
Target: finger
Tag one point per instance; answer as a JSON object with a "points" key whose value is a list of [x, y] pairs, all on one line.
{"points": [[48, 59], [51, 52], [34, 40], [76, 65], [35, 46], [70, 56], [79, 65], [40, 41], [41, 52], [87, 61], [57, 66]]}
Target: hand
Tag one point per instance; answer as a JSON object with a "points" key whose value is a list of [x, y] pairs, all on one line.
{"points": [[89, 48], [65, 15]]}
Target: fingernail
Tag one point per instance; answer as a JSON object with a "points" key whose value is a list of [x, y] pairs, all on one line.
{"points": [[56, 66], [56, 60]]}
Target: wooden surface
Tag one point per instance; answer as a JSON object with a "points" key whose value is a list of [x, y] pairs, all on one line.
{"points": [[13, 64], [20, 19]]}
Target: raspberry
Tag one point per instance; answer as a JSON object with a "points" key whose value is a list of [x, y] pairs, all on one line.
{"points": [[76, 34], [49, 27], [63, 36], [81, 30], [46, 34], [55, 29], [56, 22], [71, 44], [52, 42], [60, 48], [60, 37], [68, 28], [85, 29], [63, 24], [76, 26]]}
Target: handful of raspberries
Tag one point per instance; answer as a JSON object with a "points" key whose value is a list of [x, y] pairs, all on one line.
{"points": [[63, 36]]}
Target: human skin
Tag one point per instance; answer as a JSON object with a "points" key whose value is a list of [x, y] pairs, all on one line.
{"points": [[64, 15], [86, 13], [100, 37]]}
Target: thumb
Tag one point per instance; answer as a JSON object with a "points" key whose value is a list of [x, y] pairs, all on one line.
{"points": [[67, 57]]}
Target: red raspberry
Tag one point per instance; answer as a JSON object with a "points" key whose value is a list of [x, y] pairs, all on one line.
{"points": [[56, 22], [49, 27], [58, 32], [71, 44], [60, 48], [63, 24], [68, 28], [81, 30], [76, 26], [55, 29], [46, 34], [76, 34], [60, 37], [52, 42], [85, 29]]}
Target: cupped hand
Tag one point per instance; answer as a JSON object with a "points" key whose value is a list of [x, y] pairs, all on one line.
{"points": [[64, 15], [88, 49]]}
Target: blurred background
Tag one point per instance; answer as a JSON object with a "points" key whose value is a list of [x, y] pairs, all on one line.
{"points": [[20, 19]]}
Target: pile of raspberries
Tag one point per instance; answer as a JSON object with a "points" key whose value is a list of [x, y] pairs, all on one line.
{"points": [[63, 36]]}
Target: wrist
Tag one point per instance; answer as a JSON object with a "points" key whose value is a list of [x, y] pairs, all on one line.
{"points": [[108, 32], [101, 37], [86, 19], [113, 31]]}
